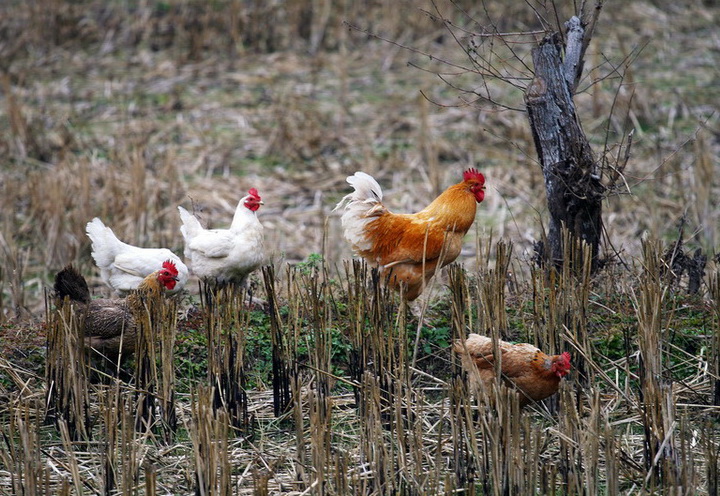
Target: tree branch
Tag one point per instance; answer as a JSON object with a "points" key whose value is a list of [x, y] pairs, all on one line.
{"points": [[573, 63]]}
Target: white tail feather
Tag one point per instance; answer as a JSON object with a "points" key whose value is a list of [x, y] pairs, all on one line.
{"points": [[366, 187], [367, 195], [190, 225], [105, 245], [190, 228]]}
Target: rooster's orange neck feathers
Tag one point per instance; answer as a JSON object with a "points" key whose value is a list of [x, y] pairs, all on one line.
{"points": [[456, 207]]}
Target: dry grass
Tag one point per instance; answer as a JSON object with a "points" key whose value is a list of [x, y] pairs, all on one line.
{"points": [[641, 422], [124, 111]]}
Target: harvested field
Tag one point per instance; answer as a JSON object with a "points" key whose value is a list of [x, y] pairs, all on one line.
{"points": [[125, 110]]}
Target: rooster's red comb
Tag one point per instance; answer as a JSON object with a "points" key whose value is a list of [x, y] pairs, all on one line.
{"points": [[170, 266], [254, 193], [473, 174], [565, 358]]}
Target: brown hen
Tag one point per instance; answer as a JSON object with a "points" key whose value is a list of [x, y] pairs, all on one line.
{"points": [[110, 325], [525, 368]]}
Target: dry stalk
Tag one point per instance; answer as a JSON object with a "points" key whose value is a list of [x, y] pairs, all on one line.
{"points": [[150, 480], [298, 411], [498, 429], [320, 416], [20, 450], [467, 457], [465, 454], [357, 305], [283, 366], [316, 304], [572, 453], [260, 482], [711, 449], [111, 404], [147, 322], [612, 455], [714, 345], [658, 412], [376, 450], [65, 371], [575, 301], [209, 434], [13, 272], [492, 312], [167, 332], [341, 477], [71, 464], [226, 321], [132, 444]]}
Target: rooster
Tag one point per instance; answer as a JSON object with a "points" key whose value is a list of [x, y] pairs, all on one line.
{"points": [[409, 248], [226, 256], [111, 324], [531, 372], [123, 266]]}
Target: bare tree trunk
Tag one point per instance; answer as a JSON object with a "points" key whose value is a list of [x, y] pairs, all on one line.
{"points": [[572, 176]]}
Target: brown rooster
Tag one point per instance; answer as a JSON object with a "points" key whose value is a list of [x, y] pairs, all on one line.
{"points": [[525, 368], [409, 248], [111, 324]]}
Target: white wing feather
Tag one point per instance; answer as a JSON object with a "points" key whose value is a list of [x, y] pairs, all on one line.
{"points": [[213, 244]]}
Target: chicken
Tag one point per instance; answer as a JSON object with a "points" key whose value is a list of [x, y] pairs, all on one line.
{"points": [[531, 372], [409, 248], [111, 324], [123, 266], [226, 256]]}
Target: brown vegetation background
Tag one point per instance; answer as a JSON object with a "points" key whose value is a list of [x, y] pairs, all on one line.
{"points": [[124, 110]]}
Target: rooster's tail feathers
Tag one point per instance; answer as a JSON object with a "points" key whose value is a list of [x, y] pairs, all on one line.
{"points": [[366, 188], [69, 282], [105, 245], [367, 191], [361, 207]]}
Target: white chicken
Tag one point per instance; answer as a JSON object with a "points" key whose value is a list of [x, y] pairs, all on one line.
{"points": [[226, 256], [122, 266]]}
